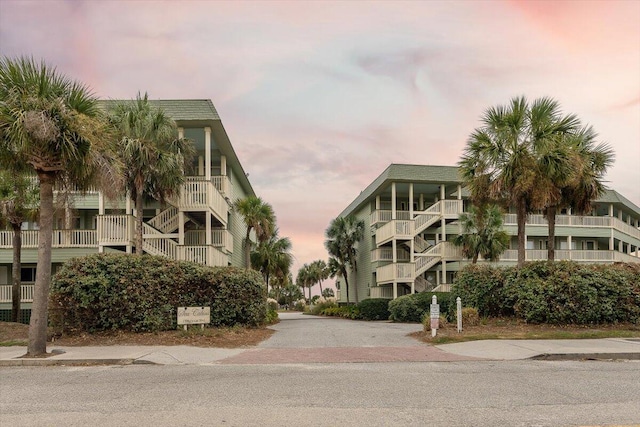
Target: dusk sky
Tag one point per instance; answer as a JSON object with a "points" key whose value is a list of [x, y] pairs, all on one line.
{"points": [[318, 98]]}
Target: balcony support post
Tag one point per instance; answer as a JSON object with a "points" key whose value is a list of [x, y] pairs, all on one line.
{"points": [[207, 153], [393, 200], [181, 228], [395, 289], [411, 200], [208, 228]]}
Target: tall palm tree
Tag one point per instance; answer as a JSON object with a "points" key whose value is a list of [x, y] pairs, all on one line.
{"points": [[304, 279], [52, 125], [342, 236], [319, 271], [272, 257], [258, 216], [501, 160], [18, 204], [338, 270], [482, 233], [582, 181], [154, 158]]}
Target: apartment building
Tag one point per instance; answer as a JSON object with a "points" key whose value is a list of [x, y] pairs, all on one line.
{"points": [[411, 217], [197, 225]]}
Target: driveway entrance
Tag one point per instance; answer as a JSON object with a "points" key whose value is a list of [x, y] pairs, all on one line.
{"points": [[307, 339]]}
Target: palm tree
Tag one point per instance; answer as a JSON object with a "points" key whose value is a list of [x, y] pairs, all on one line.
{"points": [[501, 160], [342, 236], [18, 204], [304, 279], [582, 181], [338, 270], [482, 233], [319, 272], [154, 158], [53, 126], [272, 257], [258, 216]]}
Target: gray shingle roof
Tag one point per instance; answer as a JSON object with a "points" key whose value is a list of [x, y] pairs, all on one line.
{"points": [[178, 109]]}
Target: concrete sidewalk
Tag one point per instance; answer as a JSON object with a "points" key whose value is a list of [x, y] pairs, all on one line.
{"points": [[610, 348]]}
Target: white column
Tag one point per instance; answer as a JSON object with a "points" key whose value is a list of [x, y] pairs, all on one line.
{"points": [[611, 242], [181, 228], [413, 287], [377, 203], [569, 242], [620, 248], [208, 228], [181, 133], [394, 248], [393, 200], [411, 200], [395, 290], [127, 205], [100, 203], [459, 192], [421, 202], [444, 271], [207, 153], [223, 165], [611, 210]]}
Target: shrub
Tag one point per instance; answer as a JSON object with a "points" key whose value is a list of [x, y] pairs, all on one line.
{"points": [[346, 311], [272, 317], [300, 305], [272, 304], [470, 317], [374, 309], [557, 293], [411, 308], [323, 303], [141, 293]]}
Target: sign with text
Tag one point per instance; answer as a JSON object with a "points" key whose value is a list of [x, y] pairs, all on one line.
{"points": [[194, 315]]}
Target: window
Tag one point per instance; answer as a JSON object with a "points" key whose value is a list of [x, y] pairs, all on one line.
{"points": [[28, 274], [542, 244], [589, 245]]}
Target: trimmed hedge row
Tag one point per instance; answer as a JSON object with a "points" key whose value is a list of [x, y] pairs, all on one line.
{"points": [[374, 309], [141, 293], [556, 293]]}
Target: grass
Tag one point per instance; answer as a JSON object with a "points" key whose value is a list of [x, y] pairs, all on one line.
{"points": [[514, 329]]}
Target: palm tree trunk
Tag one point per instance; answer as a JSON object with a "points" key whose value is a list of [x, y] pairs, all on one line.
{"points": [[320, 283], [139, 221], [15, 289], [38, 325], [551, 243], [247, 249], [522, 220], [474, 260], [346, 283]]}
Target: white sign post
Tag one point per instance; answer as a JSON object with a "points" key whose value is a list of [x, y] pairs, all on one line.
{"points": [[435, 315], [194, 316], [459, 313]]}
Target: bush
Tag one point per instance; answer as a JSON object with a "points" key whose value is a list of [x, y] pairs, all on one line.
{"points": [[141, 293], [300, 305], [346, 311], [470, 317], [556, 293], [374, 309], [272, 317], [411, 308], [272, 304], [426, 322], [323, 303]]}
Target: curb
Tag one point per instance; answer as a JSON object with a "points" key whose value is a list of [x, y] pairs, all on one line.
{"points": [[68, 362], [586, 356]]}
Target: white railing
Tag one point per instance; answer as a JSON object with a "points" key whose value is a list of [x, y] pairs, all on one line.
{"points": [[222, 183], [381, 292], [207, 255], [166, 221], [571, 255], [444, 287], [202, 195], [452, 208], [60, 239], [157, 243], [219, 238], [399, 229], [115, 229], [578, 221], [386, 216], [395, 272], [424, 219], [26, 293], [386, 254]]}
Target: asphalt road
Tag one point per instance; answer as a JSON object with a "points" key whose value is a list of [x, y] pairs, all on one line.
{"points": [[522, 393]]}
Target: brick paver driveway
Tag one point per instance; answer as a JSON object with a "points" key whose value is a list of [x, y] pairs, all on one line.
{"points": [[307, 339]]}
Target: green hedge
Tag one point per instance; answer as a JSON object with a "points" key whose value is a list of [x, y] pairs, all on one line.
{"points": [[374, 309], [556, 293], [411, 308], [141, 293]]}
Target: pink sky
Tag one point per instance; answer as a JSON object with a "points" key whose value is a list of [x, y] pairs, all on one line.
{"points": [[318, 98]]}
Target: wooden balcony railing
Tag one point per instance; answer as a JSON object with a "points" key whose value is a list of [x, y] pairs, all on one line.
{"points": [[579, 221], [400, 272], [219, 238], [571, 255], [115, 229], [207, 255], [198, 195], [381, 292], [26, 293], [61, 239]]}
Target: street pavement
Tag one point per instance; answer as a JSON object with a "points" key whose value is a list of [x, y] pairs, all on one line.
{"points": [[310, 339]]}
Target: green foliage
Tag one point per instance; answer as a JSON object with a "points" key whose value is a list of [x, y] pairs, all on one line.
{"points": [[328, 293], [555, 293], [374, 309], [272, 317], [322, 304], [470, 317], [411, 308], [141, 293], [346, 311]]}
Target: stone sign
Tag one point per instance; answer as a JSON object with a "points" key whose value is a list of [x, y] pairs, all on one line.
{"points": [[194, 315]]}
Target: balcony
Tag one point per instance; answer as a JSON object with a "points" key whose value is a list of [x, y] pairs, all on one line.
{"points": [[26, 293], [579, 221], [115, 230], [61, 239], [198, 195], [398, 272], [207, 255], [603, 256], [385, 254], [381, 292], [221, 239], [395, 229]]}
